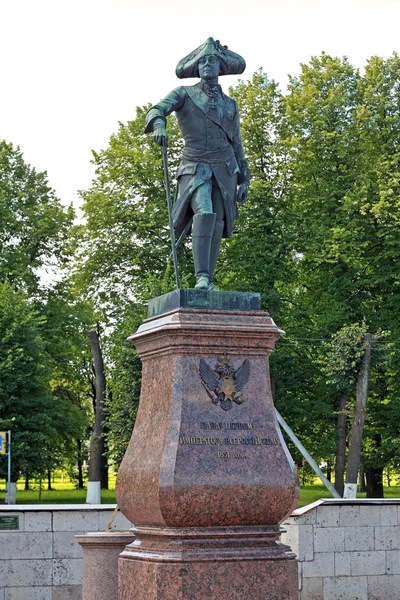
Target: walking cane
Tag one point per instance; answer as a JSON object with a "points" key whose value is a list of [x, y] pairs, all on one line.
{"points": [[169, 202], [183, 235]]}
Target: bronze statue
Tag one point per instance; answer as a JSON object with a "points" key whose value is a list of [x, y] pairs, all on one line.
{"points": [[213, 176]]}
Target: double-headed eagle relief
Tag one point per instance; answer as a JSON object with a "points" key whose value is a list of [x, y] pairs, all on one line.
{"points": [[224, 384]]}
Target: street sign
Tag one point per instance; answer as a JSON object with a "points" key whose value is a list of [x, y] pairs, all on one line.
{"points": [[2, 442]]}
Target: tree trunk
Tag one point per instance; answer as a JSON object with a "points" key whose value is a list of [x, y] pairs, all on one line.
{"points": [[27, 488], [374, 482], [357, 430], [104, 465], [388, 477], [49, 480], [80, 465], [97, 440], [329, 469], [341, 444], [374, 475], [362, 486]]}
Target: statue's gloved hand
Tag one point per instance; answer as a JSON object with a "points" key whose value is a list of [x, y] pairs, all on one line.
{"points": [[242, 193], [160, 133]]}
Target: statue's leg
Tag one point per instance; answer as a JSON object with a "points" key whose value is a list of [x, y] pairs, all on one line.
{"points": [[218, 207], [202, 233]]}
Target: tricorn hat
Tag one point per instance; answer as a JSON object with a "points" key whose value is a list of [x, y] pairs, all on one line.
{"points": [[231, 63]]}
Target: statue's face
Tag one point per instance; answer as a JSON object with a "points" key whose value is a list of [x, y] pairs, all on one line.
{"points": [[209, 67]]}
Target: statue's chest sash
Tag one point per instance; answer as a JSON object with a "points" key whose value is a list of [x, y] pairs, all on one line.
{"points": [[222, 115]]}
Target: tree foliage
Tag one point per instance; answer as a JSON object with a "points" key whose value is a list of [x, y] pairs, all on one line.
{"points": [[125, 242], [33, 224], [42, 429], [34, 333], [319, 239]]}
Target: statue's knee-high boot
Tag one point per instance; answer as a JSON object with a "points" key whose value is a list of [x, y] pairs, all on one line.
{"points": [[202, 233], [215, 245]]}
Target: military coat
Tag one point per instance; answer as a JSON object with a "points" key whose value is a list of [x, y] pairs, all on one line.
{"points": [[213, 147]]}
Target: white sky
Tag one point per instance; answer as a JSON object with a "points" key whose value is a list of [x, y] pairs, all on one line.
{"points": [[71, 69]]}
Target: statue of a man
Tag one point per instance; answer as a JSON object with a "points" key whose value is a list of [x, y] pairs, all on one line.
{"points": [[213, 177]]}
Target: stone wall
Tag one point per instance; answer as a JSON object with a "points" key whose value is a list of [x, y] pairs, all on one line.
{"points": [[41, 560], [347, 549]]}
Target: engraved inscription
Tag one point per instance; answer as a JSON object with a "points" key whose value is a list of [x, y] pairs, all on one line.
{"points": [[199, 441], [230, 426], [213, 441], [255, 441], [221, 427], [224, 454]]}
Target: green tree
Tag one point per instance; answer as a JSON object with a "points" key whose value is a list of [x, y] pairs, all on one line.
{"points": [[64, 333], [33, 224], [344, 138], [318, 238], [257, 257], [340, 362], [324, 142], [378, 189], [122, 257], [42, 429], [33, 232], [125, 243], [124, 386]]}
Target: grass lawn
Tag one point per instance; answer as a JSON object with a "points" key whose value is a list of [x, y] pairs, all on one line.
{"points": [[64, 492], [311, 493], [58, 497]]}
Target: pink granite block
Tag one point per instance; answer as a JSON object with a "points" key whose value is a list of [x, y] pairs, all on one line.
{"points": [[207, 476], [100, 563], [189, 463], [212, 563]]}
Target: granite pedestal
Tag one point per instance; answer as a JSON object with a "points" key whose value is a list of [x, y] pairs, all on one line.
{"points": [[207, 477], [100, 563]]}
